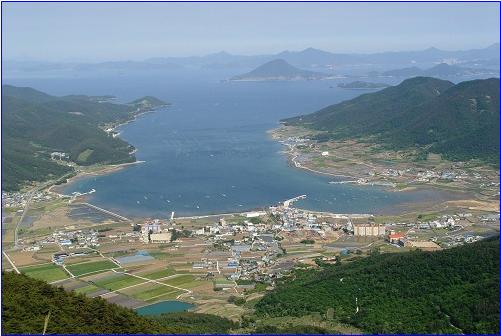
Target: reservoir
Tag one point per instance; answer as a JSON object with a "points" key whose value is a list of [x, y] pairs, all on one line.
{"points": [[165, 307], [210, 151]]}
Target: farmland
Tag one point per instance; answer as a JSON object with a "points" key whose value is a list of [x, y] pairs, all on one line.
{"points": [[46, 272], [90, 267]]}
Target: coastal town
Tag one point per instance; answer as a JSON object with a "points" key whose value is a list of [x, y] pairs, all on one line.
{"points": [[208, 260]]}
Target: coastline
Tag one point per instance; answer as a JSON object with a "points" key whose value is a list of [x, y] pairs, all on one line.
{"points": [[451, 197], [107, 168], [102, 170]]}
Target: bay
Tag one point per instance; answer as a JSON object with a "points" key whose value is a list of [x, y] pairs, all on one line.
{"points": [[210, 151]]}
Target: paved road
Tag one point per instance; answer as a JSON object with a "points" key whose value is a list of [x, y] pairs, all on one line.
{"points": [[11, 262], [25, 210]]}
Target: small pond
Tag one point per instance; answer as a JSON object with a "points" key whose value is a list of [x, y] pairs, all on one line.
{"points": [[165, 307]]}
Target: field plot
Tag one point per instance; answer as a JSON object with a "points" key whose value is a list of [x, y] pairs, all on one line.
{"points": [[87, 289], [117, 281], [148, 291], [46, 272], [90, 267], [223, 281], [158, 274], [185, 281], [168, 296]]}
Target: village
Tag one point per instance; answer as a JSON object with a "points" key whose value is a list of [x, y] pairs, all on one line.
{"points": [[370, 164], [251, 248]]}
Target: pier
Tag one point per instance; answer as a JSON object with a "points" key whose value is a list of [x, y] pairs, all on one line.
{"points": [[107, 212], [289, 202]]}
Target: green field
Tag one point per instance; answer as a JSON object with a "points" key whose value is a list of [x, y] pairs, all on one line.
{"points": [[222, 281], [87, 289], [159, 274], [118, 281], [89, 267], [186, 281], [83, 156], [148, 291], [46, 272], [167, 296]]}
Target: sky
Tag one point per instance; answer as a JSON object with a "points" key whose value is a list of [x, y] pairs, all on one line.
{"points": [[135, 31]]}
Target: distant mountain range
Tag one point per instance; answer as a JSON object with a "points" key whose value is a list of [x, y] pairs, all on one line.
{"points": [[309, 58], [440, 70], [278, 70], [459, 121], [34, 124]]}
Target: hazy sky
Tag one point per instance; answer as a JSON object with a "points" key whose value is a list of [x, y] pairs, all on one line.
{"points": [[120, 31]]}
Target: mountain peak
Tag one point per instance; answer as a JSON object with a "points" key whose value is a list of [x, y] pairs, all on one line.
{"points": [[279, 69]]}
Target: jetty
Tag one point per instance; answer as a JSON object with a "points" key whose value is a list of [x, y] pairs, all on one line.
{"points": [[107, 212], [289, 202]]}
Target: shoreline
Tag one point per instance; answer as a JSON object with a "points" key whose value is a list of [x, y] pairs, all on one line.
{"points": [[108, 168], [105, 169], [450, 196]]}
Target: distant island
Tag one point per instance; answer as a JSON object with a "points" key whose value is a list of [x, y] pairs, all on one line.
{"points": [[439, 70], [279, 70], [362, 85]]}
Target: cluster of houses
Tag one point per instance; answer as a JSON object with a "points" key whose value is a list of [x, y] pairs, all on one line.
{"points": [[67, 240], [19, 199], [460, 239], [59, 257], [59, 156], [427, 175], [78, 238]]}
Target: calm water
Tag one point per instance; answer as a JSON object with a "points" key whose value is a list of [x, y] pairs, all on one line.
{"points": [[165, 307], [210, 153]]}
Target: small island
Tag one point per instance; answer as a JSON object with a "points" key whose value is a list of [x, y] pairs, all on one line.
{"points": [[148, 102], [279, 70], [363, 85]]}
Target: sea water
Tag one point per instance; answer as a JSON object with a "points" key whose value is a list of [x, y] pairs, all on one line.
{"points": [[210, 151]]}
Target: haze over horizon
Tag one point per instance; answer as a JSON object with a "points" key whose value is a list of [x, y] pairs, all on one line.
{"points": [[132, 31]]}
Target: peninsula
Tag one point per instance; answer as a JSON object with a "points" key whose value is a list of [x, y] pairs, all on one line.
{"points": [[47, 137]]}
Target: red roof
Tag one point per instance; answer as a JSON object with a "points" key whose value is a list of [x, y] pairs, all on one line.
{"points": [[396, 235]]}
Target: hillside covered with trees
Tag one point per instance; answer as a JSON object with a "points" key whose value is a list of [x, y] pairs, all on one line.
{"points": [[448, 291], [35, 124], [459, 121], [26, 302]]}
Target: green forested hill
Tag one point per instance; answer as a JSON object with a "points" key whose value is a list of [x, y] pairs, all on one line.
{"points": [[35, 124], [26, 303], [460, 121], [449, 291]]}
